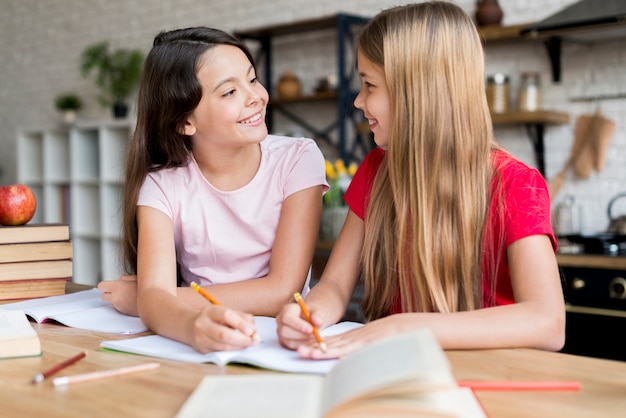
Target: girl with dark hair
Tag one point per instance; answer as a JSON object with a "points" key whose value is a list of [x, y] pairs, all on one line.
{"points": [[209, 193]]}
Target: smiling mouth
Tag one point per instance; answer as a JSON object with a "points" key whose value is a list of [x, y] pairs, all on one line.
{"points": [[252, 119]]}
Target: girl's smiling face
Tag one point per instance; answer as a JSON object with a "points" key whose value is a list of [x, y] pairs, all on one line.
{"points": [[232, 109], [373, 99]]}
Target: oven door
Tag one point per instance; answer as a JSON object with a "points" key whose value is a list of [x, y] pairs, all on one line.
{"points": [[596, 312]]}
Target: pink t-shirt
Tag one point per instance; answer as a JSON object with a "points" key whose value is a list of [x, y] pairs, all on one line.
{"points": [[227, 236], [526, 211]]}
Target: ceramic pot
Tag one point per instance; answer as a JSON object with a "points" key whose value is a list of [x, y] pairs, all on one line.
{"points": [[288, 86], [69, 117], [488, 12]]}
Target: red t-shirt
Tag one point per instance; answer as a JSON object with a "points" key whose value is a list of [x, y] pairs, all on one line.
{"points": [[526, 205]]}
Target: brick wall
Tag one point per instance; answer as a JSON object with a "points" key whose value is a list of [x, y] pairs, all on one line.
{"points": [[41, 42]]}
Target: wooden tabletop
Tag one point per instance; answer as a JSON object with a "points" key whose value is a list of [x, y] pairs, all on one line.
{"points": [[161, 392]]}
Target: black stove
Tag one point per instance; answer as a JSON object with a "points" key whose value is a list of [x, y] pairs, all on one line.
{"points": [[595, 292], [605, 243]]}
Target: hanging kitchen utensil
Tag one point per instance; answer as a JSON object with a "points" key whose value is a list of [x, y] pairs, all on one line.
{"points": [[617, 224], [592, 135], [598, 132]]}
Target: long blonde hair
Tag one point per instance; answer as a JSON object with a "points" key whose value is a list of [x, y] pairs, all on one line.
{"points": [[427, 209]]}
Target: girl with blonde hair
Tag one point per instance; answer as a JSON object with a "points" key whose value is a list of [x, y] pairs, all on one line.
{"points": [[449, 231]]}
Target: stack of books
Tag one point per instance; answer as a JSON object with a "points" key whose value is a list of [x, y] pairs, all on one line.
{"points": [[35, 260]]}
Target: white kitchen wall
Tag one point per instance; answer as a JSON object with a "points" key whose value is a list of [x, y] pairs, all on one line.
{"points": [[42, 40]]}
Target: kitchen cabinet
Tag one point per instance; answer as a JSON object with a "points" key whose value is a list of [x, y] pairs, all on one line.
{"points": [[348, 120], [77, 176]]}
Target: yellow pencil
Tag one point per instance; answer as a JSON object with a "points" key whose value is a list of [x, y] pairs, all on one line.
{"points": [[214, 301], [307, 316]]}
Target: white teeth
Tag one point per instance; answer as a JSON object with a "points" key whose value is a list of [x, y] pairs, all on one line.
{"points": [[252, 119]]}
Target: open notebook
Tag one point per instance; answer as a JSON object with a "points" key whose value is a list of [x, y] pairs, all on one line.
{"points": [[84, 310], [269, 354]]}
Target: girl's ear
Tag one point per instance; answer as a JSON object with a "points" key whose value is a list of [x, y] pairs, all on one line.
{"points": [[189, 128]]}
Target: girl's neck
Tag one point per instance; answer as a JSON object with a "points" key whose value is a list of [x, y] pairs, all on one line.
{"points": [[229, 169]]}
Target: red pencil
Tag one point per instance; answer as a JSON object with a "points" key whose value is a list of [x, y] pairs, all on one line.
{"points": [[517, 385], [44, 375]]}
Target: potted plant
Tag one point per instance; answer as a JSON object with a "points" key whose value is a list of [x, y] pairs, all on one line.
{"points": [[335, 210], [68, 104], [118, 73]]}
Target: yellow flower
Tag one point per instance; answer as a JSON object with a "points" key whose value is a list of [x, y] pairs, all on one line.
{"points": [[340, 166], [330, 171], [352, 168]]}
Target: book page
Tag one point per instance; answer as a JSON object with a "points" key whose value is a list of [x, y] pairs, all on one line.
{"points": [[255, 395], [442, 403], [268, 354], [17, 337], [404, 361], [84, 310]]}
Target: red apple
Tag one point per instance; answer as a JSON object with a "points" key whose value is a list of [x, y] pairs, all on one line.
{"points": [[17, 204]]}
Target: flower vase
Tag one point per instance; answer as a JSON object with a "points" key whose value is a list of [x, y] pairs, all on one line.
{"points": [[332, 222]]}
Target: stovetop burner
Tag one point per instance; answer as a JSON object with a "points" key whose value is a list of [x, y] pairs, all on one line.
{"points": [[603, 243]]}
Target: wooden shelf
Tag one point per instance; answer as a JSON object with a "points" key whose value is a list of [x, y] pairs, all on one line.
{"points": [[325, 95], [502, 33], [545, 117], [326, 22], [592, 261], [535, 126]]}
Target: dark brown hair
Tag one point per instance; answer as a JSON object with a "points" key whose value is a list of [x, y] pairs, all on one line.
{"points": [[168, 94]]}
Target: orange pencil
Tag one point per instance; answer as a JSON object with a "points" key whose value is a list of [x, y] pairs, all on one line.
{"points": [[204, 293], [214, 301], [307, 316], [88, 377]]}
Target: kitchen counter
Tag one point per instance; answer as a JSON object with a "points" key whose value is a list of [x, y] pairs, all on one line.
{"points": [[592, 261]]}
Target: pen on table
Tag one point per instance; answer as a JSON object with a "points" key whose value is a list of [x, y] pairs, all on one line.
{"points": [[518, 385], [307, 316], [45, 374], [87, 377], [214, 301]]}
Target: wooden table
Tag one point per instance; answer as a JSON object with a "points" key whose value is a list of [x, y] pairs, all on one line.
{"points": [[161, 392]]}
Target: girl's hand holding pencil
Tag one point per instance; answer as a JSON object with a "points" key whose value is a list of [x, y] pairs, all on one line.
{"points": [[217, 328]]}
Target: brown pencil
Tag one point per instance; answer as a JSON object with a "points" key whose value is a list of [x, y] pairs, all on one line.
{"points": [[307, 316], [44, 375]]}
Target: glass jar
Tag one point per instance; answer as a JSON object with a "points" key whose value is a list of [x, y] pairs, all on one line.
{"points": [[498, 93], [567, 219], [529, 98]]}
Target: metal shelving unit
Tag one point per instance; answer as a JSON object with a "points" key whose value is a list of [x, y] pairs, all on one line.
{"points": [[346, 27]]}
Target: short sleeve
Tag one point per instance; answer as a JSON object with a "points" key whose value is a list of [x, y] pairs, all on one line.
{"points": [[357, 195], [307, 170], [152, 195], [528, 206]]}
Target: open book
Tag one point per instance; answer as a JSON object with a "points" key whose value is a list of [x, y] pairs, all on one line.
{"points": [[269, 354], [84, 310], [17, 336], [401, 376]]}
